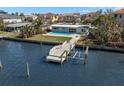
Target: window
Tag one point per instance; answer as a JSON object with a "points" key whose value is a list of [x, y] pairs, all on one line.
{"points": [[86, 27], [63, 28], [72, 30], [115, 15], [83, 30], [120, 16], [55, 28]]}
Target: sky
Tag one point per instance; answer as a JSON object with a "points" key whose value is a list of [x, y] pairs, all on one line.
{"points": [[59, 10]]}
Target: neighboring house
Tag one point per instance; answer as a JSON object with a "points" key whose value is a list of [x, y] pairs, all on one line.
{"points": [[71, 18], [50, 18], [55, 18], [79, 29], [30, 17], [119, 15], [8, 18], [16, 27], [88, 16]]}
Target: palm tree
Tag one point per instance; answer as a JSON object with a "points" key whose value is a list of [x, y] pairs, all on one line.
{"points": [[33, 29], [37, 25], [25, 32]]}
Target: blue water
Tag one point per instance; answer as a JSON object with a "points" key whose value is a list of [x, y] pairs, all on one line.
{"points": [[103, 68], [61, 33]]}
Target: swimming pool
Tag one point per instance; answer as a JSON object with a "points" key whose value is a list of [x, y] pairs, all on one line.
{"points": [[103, 68], [67, 34]]}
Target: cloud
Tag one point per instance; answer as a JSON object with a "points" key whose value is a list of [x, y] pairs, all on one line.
{"points": [[85, 11], [118, 8]]}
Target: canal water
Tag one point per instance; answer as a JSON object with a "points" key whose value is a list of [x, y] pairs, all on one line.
{"points": [[103, 68]]}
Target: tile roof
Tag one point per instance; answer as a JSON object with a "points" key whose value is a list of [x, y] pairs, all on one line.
{"points": [[121, 11]]}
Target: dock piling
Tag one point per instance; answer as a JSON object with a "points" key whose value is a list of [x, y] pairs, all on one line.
{"points": [[1, 66], [86, 55], [27, 70], [41, 44]]}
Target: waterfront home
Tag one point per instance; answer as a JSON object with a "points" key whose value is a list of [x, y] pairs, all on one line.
{"points": [[49, 18], [69, 18], [76, 29], [30, 17], [16, 27]]}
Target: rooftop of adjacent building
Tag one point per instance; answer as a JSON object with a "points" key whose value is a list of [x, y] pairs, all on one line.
{"points": [[120, 11], [65, 25], [9, 16], [18, 24]]}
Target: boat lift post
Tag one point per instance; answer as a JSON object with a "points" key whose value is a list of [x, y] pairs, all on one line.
{"points": [[86, 55], [66, 56]]}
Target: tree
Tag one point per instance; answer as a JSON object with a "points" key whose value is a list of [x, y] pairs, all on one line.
{"points": [[2, 25], [99, 11], [26, 31], [21, 14], [12, 14], [92, 17], [37, 25], [33, 29], [108, 29], [16, 13]]}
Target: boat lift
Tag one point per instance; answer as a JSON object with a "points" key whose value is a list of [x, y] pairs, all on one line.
{"points": [[71, 54], [61, 53], [80, 56]]}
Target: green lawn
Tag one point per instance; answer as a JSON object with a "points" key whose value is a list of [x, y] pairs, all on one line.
{"points": [[9, 34], [41, 37], [38, 37]]}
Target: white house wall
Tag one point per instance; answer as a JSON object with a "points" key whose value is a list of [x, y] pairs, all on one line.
{"points": [[121, 20], [12, 20], [79, 31]]}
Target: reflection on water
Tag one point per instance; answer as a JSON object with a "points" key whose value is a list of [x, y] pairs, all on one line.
{"points": [[103, 68]]}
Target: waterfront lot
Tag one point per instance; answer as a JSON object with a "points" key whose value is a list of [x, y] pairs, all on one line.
{"points": [[9, 34]]}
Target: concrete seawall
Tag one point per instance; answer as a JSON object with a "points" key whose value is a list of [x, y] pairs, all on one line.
{"points": [[97, 47]]}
